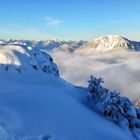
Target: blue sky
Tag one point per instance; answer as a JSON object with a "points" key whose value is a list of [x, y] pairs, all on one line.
{"points": [[69, 19]]}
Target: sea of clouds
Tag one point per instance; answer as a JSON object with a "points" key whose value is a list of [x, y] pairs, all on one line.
{"points": [[120, 70]]}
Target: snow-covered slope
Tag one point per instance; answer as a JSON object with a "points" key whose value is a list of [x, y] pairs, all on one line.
{"points": [[22, 57], [109, 43], [36, 103]]}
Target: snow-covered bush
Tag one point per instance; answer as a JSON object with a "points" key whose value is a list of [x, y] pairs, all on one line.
{"points": [[115, 107]]}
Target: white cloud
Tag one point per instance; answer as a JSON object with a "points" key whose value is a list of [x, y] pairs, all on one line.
{"points": [[120, 70], [52, 21]]}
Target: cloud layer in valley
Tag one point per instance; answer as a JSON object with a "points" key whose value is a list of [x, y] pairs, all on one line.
{"points": [[121, 70]]}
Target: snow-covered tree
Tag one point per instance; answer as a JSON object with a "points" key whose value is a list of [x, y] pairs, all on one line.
{"points": [[115, 107]]}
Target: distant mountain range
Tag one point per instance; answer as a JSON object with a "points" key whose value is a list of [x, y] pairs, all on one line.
{"points": [[101, 44], [48, 45]]}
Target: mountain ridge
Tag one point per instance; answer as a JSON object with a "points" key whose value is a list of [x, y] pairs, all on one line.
{"points": [[26, 58], [99, 44], [109, 43]]}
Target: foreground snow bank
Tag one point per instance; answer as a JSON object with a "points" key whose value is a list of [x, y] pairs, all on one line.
{"points": [[36, 103]]}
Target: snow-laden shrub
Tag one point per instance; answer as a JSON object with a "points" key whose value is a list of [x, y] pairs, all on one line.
{"points": [[115, 107]]}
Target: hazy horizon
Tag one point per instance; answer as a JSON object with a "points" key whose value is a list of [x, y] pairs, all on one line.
{"points": [[59, 39]]}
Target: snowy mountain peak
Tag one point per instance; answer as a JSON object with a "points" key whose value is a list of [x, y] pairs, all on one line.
{"points": [[109, 43], [112, 42]]}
